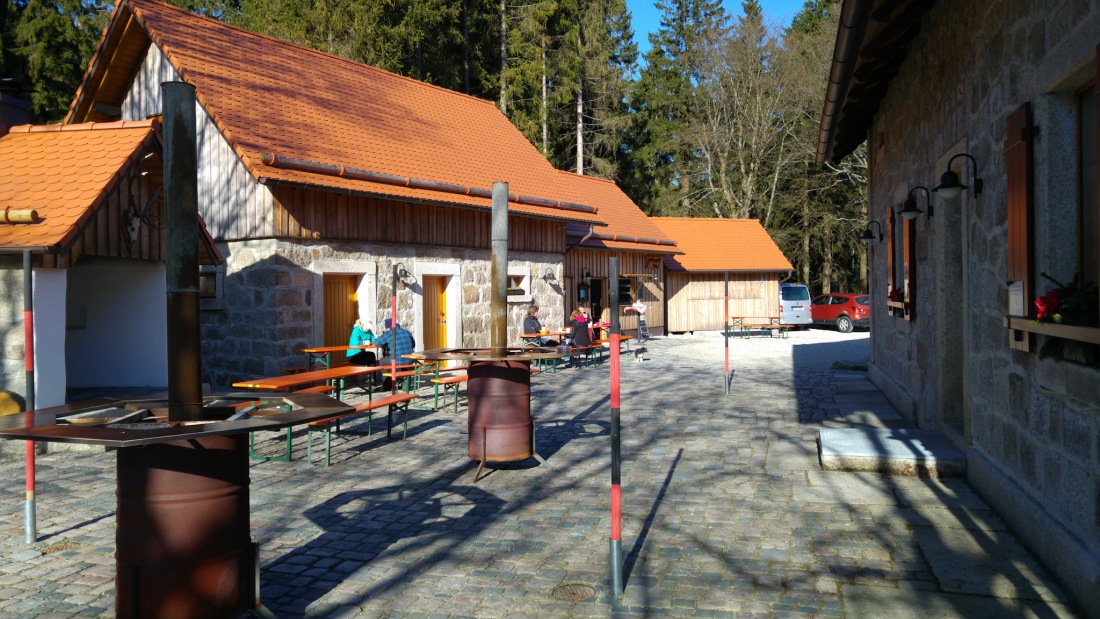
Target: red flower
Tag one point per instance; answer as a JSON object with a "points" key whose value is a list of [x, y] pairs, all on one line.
{"points": [[1048, 305]]}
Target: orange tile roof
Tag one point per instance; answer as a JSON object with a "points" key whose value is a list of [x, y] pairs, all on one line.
{"points": [[721, 245], [627, 229], [63, 172], [274, 99]]}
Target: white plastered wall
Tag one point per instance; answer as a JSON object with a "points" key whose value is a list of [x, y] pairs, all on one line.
{"points": [[117, 317], [49, 337]]}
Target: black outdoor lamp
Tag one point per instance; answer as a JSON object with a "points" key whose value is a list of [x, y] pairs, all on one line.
{"points": [[869, 236], [909, 209], [950, 186]]}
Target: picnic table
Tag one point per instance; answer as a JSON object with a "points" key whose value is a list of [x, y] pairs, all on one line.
{"points": [[338, 375], [743, 326], [322, 355]]}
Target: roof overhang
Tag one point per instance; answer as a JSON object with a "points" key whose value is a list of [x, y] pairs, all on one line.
{"points": [[872, 42]]}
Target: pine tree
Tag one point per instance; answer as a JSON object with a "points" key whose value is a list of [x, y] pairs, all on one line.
{"points": [[659, 154], [53, 40]]}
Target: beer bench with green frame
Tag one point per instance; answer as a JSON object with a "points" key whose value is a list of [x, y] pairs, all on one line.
{"points": [[396, 402]]}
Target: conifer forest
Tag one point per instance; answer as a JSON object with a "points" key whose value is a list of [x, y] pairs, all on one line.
{"points": [[719, 118]]}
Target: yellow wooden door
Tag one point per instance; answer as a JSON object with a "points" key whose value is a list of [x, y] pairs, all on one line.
{"points": [[341, 311], [435, 312]]}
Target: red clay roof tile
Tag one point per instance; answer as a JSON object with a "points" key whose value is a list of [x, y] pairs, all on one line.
{"points": [[721, 245], [270, 96], [624, 219], [42, 171]]}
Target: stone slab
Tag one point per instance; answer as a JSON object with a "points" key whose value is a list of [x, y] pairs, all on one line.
{"points": [[982, 563], [890, 451], [871, 602]]}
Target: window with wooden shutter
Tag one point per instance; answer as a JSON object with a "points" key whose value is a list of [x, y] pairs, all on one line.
{"points": [[1020, 195], [1021, 222], [901, 265]]}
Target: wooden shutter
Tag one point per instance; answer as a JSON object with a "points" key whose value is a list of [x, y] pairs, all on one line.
{"points": [[1018, 164]]}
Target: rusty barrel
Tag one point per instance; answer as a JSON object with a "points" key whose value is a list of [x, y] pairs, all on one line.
{"points": [[182, 538], [500, 423]]}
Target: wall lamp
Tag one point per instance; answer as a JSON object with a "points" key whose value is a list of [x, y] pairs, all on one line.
{"points": [[909, 209], [401, 275], [869, 236], [549, 276], [950, 186]]}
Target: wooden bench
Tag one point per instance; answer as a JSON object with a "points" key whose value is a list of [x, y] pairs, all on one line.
{"points": [[318, 389], [743, 326], [450, 382], [394, 402]]}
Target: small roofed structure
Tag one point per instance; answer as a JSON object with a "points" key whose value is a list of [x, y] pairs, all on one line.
{"points": [[97, 248], [711, 249]]}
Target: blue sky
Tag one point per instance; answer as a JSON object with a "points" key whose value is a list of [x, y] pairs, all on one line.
{"points": [[646, 17]]}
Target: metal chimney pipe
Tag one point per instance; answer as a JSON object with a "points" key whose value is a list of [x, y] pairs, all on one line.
{"points": [[181, 206], [498, 273]]}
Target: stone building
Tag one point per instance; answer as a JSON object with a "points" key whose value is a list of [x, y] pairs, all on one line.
{"points": [[1005, 92], [318, 175]]}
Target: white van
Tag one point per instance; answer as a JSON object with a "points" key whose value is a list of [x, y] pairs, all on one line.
{"points": [[794, 305]]}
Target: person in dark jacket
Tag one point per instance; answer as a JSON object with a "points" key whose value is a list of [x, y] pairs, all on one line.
{"points": [[532, 324], [579, 324]]}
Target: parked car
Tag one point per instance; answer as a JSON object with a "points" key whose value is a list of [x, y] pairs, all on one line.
{"points": [[794, 305], [845, 310]]}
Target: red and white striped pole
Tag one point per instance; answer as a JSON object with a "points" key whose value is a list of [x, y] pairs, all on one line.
{"points": [[30, 519], [616, 483], [726, 333]]}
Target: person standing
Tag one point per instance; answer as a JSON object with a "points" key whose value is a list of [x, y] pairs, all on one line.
{"points": [[361, 334]]}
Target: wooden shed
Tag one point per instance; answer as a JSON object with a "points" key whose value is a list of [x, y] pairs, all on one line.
{"points": [[712, 250]]}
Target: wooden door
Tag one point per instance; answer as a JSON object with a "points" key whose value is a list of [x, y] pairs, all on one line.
{"points": [[435, 312], [341, 311]]}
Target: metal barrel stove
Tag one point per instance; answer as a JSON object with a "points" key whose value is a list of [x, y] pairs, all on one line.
{"points": [[499, 420], [183, 547]]}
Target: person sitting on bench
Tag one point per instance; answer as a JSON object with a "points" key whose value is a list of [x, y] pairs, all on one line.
{"points": [[395, 342], [361, 334]]}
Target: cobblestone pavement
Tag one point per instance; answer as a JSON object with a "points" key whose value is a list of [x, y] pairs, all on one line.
{"points": [[726, 511]]}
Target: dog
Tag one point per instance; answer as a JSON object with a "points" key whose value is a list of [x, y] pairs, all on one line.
{"points": [[639, 354]]}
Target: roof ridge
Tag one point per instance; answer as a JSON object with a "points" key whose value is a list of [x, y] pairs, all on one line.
{"points": [[134, 7], [707, 218], [587, 176], [93, 126]]}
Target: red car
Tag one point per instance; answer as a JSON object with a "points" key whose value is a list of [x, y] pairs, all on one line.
{"points": [[843, 309]]}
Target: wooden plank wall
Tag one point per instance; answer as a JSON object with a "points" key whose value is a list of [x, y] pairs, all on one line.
{"points": [[231, 202], [595, 260], [106, 233], [311, 214], [696, 300]]}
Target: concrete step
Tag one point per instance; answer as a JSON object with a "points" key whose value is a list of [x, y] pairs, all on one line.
{"points": [[893, 451]]}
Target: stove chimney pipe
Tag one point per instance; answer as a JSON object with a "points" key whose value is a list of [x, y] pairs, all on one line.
{"points": [[498, 272], [181, 252]]}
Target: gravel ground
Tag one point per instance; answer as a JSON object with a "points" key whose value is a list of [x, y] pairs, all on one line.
{"points": [[806, 350]]}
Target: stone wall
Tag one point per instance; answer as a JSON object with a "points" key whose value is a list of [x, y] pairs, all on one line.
{"points": [[13, 375], [1032, 426], [273, 299]]}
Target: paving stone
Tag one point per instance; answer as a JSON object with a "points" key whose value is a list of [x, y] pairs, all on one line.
{"points": [[726, 512]]}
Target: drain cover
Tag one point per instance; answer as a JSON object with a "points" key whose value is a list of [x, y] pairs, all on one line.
{"points": [[573, 592]]}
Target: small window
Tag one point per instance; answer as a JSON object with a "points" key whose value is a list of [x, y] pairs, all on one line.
{"points": [[626, 290], [211, 287], [519, 285]]}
